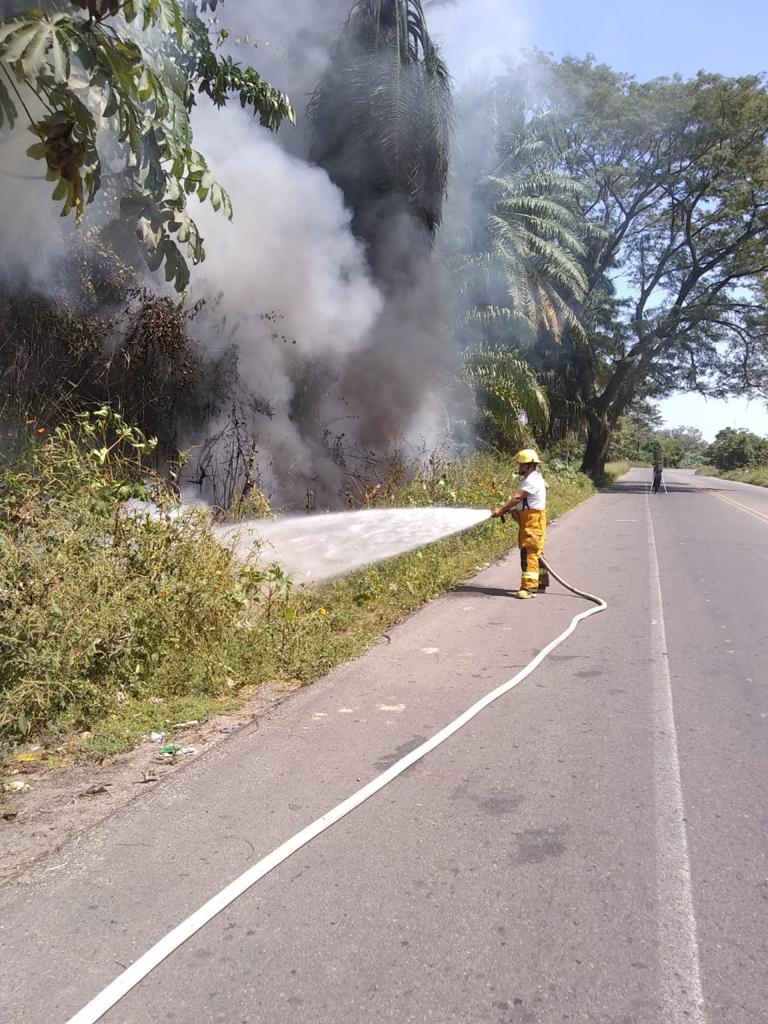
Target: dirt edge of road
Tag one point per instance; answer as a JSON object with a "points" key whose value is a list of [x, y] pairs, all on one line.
{"points": [[59, 805]]}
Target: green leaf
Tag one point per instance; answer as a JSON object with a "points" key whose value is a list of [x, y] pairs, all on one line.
{"points": [[61, 190], [59, 60], [7, 28], [30, 40], [8, 111], [12, 50], [34, 54], [110, 107]]}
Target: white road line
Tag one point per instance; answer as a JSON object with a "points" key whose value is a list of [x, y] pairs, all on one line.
{"points": [[154, 956], [678, 943]]}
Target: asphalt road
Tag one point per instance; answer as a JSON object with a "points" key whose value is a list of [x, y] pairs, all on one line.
{"points": [[592, 848]]}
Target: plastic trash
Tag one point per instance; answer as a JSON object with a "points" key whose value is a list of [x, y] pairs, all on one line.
{"points": [[16, 786], [169, 749]]}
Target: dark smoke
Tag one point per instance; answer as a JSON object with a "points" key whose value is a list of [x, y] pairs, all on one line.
{"points": [[377, 99]]}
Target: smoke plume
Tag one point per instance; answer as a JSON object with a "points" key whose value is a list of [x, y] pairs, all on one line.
{"points": [[367, 322], [340, 351]]}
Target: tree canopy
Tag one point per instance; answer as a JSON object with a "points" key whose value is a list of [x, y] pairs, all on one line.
{"points": [[673, 175], [737, 449], [107, 88], [381, 119]]}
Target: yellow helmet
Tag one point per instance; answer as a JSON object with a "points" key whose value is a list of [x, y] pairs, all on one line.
{"points": [[527, 455]]}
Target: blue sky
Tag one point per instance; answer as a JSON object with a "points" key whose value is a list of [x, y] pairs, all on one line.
{"points": [[646, 38]]}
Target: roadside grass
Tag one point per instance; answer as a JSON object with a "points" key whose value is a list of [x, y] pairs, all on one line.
{"points": [[614, 470], [113, 626], [756, 475]]}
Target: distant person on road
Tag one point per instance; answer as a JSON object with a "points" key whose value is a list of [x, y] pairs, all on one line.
{"points": [[658, 473], [528, 506]]}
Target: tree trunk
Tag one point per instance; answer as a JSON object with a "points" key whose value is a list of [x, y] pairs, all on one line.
{"points": [[596, 451]]}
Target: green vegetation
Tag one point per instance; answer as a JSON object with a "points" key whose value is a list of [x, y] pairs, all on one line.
{"points": [[737, 455], [100, 607], [614, 470], [640, 439], [508, 397], [758, 475], [525, 270], [114, 84], [661, 184], [116, 623], [737, 450]]}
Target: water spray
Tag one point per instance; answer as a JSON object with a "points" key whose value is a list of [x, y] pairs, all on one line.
{"points": [[313, 548], [319, 547]]}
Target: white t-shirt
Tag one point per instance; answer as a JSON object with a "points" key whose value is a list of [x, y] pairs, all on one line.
{"points": [[535, 487]]}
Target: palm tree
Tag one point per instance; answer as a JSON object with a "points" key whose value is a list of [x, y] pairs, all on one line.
{"points": [[510, 400], [381, 118], [523, 284], [533, 248]]}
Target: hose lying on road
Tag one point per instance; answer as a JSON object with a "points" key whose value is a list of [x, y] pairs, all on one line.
{"points": [[154, 956], [574, 590]]}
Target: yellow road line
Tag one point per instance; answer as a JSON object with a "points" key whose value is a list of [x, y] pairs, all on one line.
{"points": [[744, 508]]}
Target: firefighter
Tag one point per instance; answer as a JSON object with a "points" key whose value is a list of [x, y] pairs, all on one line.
{"points": [[528, 507]]}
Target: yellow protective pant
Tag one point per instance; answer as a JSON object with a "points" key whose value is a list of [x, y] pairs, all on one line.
{"points": [[533, 532]]}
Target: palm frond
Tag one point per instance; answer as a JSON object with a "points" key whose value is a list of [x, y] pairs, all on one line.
{"points": [[536, 234], [515, 321], [507, 392], [381, 116]]}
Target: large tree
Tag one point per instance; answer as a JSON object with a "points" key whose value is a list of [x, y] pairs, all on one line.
{"points": [[113, 82], [676, 176]]}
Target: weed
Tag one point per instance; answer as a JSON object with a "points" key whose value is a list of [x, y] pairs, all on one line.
{"points": [[99, 608], [614, 470], [756, 475]]}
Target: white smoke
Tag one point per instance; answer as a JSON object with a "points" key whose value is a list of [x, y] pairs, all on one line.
{"points": [[294, 282], [317, 342], [32, 235], [289, 248], [478, 37]]}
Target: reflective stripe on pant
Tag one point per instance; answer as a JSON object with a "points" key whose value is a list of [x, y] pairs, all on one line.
{"points": [[533, 532]]}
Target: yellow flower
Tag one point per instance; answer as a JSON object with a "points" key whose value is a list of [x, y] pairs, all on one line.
{"points": [[323, 611]]}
